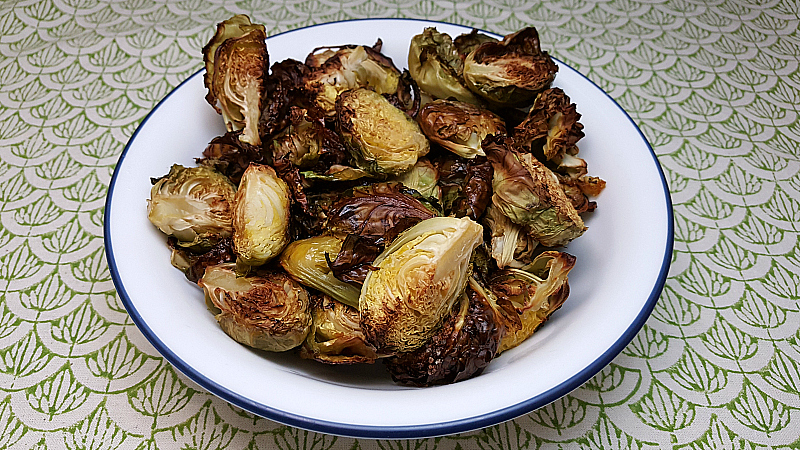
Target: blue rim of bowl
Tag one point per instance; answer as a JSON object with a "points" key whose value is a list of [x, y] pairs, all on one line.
{"points": [[393, 432]]}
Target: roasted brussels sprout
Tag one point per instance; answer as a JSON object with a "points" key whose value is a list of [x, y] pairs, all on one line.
{"points": [[511, 244], [382, 139], [236, 64], [283, 89], [349, 67], [261, 216], [459, 127], [268, 311], [419, 277], [436, 66], [509, 73], [306, 261], [530, 195], [193, 263], [535, 291], [335, 336], [466, 185], [423, 178], [192, 204], [464, 345]]}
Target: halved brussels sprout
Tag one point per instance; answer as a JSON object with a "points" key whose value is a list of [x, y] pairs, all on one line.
{"points": [[423, 178], [307, 261], [268, 311], [236, 64], [509, 73], [535, 291], [460, 349], [261, 216], [511, 245], [382, 139], [459, 127], [194, 205], [335, 336], [530, 195], [350, 67], [436, 66], [419, 277]]}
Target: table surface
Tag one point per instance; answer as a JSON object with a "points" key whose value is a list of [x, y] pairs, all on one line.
{"points": [[714, 86]]}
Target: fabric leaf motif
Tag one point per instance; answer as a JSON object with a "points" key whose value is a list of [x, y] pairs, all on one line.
{"points": [[561, 414], [58, 394], [96, 432], [755, 409], [699, 279], [727, 341], [507, 435], [164, 394], [24, 357], [288, 438], [11, 429], [204, 431], [675, 310], [647, 344], [663, 409], [783, 373], [606, 436], [695, 373], [756, 311], [116, 360]]}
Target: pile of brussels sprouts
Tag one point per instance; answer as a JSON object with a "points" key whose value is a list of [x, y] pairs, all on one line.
{"points": [[354, 212]]}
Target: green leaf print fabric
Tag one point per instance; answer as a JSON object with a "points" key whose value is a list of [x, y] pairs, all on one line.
{"points": [[714, 85]]}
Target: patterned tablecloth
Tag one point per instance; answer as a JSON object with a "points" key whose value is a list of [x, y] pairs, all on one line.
{"points": [[714, 86]]}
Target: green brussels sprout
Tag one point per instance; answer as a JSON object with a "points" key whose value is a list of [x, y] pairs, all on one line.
{"points": [[193, 205], [420, 276], [535, 291], [460, 349], [237, 62], [306, 260], [336, 336], [382, 139], [509, 73], [260, 216], [511, 246], [337, 172], [459, 127], [350, 67], [423, 178], [436, 67], [268, 311], [530, 195]]}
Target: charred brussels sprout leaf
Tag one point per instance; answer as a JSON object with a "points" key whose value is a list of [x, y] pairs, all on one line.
{"points": [[436, 66], [467, 42], [193, 263], [336, 336], [306, 261], [464, 345], [552, 126], [237, 60], [510, 73], [459, 127], [193, 205], [268, 311], [530, 195], [382, 139], [350, 67], [379, 211], [535, 291], [230, 156], [261, 216], [419, 277]]}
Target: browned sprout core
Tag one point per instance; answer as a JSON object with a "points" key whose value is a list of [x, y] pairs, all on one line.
{"points": [[552, 118]]}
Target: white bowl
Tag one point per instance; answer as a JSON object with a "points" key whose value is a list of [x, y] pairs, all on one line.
{"points": [[622, 263]]}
